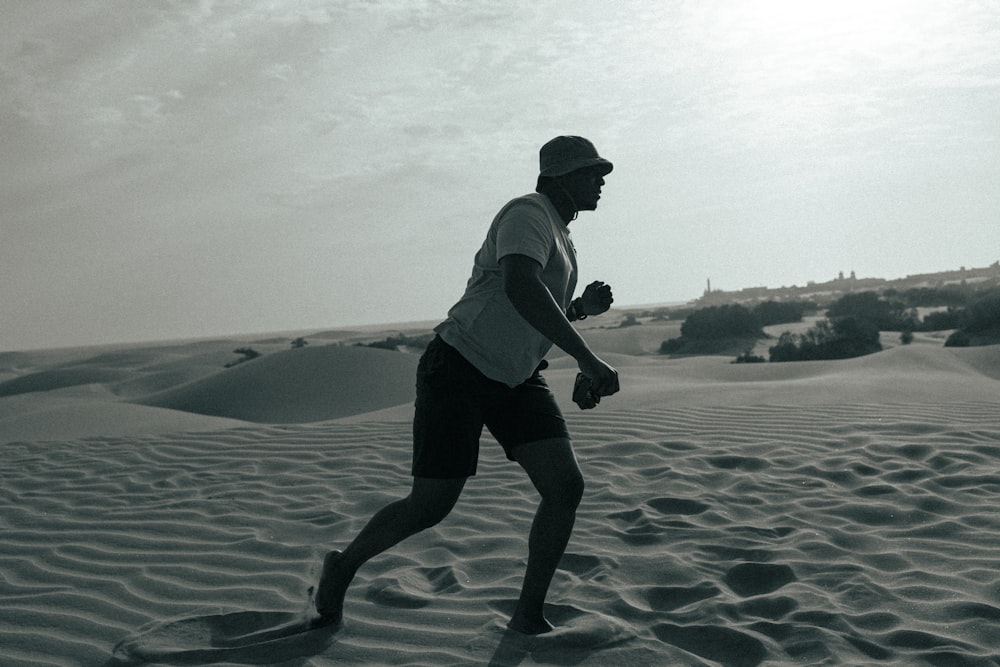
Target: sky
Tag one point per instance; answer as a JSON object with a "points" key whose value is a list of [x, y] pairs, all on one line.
{"points": [[196, 168]]}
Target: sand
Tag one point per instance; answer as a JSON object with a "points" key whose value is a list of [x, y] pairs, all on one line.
{"points": [[820, 513]]}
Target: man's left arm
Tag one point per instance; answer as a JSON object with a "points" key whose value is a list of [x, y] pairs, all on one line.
{"points": [[596, 299]]}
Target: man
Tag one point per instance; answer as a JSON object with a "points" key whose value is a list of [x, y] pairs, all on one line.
{"points": [[483, 368]]}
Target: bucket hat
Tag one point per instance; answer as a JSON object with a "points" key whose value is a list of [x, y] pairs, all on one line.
{"points": [[568, 153]]}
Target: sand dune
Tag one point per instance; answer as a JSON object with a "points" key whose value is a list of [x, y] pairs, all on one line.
{"points": [[183, 388], [899, 375], [837, 513], [31, 419], [304, 385]]}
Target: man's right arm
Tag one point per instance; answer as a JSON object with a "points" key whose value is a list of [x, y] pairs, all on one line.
{"points": [[531, 298]]}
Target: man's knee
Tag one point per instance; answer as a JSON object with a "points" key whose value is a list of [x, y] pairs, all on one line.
{"points": [[572, 489], [566, 492], [553, 469], [432, 500]]}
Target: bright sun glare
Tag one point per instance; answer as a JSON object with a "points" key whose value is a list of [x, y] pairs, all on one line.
{"points": [[829, 60], [817, 26]]}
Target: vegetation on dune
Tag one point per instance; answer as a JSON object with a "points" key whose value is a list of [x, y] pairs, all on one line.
{"points": [[951, 296], [840, 338], [851, 329], [715, 330], [248, 354], [770, 313], [720, 329], [942, 320], [748, 357], [718, 322], [869, 307], [395, 343], [983, 314], [974, 313], [854, 321], [979, 324], [630, 321]]}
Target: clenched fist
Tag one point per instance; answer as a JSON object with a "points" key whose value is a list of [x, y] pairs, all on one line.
{"points": [[596, 298]]}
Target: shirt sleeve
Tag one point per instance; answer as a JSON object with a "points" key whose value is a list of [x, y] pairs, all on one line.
{"points": [[525, 230]]}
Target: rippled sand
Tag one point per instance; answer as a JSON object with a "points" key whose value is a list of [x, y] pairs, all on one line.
{"points": [[835, 513]]}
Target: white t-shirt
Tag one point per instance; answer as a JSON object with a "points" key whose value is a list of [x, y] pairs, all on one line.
{"points": [[483, 325]]}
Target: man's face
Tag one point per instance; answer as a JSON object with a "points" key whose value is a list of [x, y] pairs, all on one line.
{"points": [[584, 186]]}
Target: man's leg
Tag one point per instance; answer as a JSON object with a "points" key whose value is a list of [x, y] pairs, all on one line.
{"points": [[552, 467], [429, 502]]}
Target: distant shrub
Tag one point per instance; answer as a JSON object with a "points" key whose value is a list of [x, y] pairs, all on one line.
{"points": [[931, 297], [979, 323], [386, 344], [869, 307], [714, 330], [786, 349], [671, 346], [675, 314], [248, 354], [958, 339], [843, 338], [299, 342], [942, 320], [906, 337], [748, 357], [715, 322], [395, 342], [780, 312], [629, 321], [983, 314]]}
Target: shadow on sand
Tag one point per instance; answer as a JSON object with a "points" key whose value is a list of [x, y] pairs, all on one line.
{"points": [[212, 636], [578, 635]]}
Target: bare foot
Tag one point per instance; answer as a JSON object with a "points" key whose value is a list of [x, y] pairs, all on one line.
{"points": [[527, 626], [331, 589]]}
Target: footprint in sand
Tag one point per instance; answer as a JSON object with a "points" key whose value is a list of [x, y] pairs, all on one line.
{"points": [[414, 588], [575, 629], [212, 636]]}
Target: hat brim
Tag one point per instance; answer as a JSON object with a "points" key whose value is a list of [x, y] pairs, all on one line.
{"points": [[567, 167]]}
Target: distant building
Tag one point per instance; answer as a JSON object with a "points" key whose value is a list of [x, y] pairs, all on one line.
{"points": [[831, 290]]}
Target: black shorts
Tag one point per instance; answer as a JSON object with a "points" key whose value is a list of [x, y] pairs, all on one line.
{"points": [[455, 401]]}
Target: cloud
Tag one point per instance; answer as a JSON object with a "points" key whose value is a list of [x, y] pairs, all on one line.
{"points": [[329, 142]]}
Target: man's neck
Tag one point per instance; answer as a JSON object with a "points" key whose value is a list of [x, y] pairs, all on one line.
{"points": [[563, 203]]}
